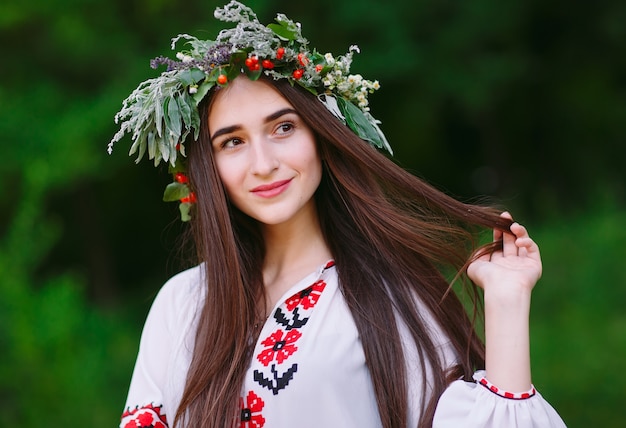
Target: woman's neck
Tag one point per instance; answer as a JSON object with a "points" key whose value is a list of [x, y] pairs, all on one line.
{"points": [[293, 250]]}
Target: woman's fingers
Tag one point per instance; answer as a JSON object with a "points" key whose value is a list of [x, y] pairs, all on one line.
{"points": [[497, 235], [508, 239], [515, 242]]}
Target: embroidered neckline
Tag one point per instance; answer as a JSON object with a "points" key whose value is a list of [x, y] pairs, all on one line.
{"points": [[298, 286], [295, 289], [275, 362]]}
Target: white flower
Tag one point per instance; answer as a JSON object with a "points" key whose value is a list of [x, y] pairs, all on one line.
{"points": [[328, 80], [183, 57], [375, 85], [344, 87], [193, 89], [354, 48], [355, 79]]}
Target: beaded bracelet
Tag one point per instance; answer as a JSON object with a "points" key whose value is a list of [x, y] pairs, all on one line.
{"points": [[513, 396]]}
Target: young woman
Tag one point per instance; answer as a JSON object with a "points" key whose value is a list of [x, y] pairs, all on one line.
{"points": [[319, 298]]}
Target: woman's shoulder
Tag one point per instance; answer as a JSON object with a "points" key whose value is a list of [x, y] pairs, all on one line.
{"points": [[183, 283], [180, 295]]}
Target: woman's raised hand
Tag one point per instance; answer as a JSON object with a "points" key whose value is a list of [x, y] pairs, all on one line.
{"points": [[514, 269], [507, 277]]}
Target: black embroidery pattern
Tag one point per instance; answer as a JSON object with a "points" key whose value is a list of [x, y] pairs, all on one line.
{"points": [[293, 322], [291, 317], [278, 382]]}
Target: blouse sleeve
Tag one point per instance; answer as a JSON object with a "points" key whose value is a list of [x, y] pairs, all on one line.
{"points": [[472, 405], [149, 401]]}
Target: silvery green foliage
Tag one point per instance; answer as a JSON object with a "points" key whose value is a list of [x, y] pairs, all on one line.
{"points": [[159, 115], [249, 32], [162, 112]]}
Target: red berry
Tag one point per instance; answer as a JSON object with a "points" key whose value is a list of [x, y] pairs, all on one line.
{"points": [[267, 64], [222, 79], [191, 199], [302, 59], [280, 52], [253, 63], [297, 74], [181, 178], [319, 67]]}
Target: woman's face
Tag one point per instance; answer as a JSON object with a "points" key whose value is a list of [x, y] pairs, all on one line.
{"points": [[265, 154]]}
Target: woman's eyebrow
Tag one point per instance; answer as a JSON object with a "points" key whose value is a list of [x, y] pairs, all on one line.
{"points": [[270, 118], [225, 130], [279, 113]]}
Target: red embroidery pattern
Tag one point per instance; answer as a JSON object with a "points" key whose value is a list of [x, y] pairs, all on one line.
{"points": [[511, 395], [251, 416], [279, 347], [307, 298], [148, 416], [290, 317]]}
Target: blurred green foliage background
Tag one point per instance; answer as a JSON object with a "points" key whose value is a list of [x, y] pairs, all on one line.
{"points": [[522, 101]]}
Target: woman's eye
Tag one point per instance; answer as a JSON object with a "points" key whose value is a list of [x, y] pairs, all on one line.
{"points": [[285, 128], [231, 143]]}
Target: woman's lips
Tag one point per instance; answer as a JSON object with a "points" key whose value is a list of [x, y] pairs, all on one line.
{"points": [[272, 189]]}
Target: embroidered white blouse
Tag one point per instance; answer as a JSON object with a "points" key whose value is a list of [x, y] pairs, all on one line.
{"points": [[308, 368]]}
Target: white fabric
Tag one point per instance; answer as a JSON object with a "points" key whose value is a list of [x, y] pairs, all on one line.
{"points": [[326, 382]]}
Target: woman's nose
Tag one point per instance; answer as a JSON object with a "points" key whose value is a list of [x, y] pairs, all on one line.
{"points": [[264, 157]]}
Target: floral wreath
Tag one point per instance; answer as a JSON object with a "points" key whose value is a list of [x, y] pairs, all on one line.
{"points": [[162, 112]]}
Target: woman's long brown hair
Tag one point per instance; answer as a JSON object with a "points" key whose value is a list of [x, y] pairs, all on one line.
{"points": [[391, 235]]}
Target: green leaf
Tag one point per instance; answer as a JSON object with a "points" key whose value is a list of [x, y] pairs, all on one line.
{"points": [[237, 59], [166, 117], [184, 106], [179, 166], [140, 143], [305, 86], [190, 76], [317, 58], [195, 122], [252, 75], [233, 72], [197, 75], [151, 145], [184, 208], [163, 148], [175, 120], [213, 75], [184, 77], [203, 89], [282, 31], [158, 116], [357, 121], [175, 191]]}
